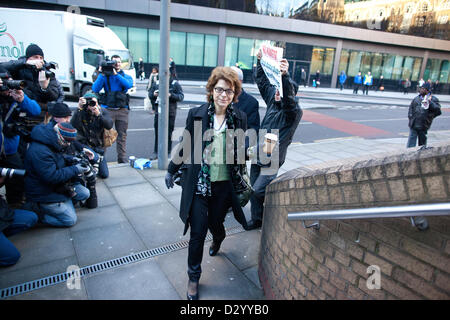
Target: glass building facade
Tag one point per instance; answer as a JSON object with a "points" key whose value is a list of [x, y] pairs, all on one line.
{"points": [[195, 54], [426, 18]]}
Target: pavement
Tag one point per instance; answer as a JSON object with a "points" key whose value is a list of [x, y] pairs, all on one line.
{"points": [[132, 247]]}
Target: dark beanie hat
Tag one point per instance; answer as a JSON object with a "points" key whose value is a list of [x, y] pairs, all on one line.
{"points": [[59, 110], [32, 50], [66, 132]]}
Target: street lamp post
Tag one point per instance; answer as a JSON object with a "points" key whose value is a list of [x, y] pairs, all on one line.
{"points": [[163, 107]]}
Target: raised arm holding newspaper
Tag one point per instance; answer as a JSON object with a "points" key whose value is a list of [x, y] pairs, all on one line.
{"points": [[281, 120]]}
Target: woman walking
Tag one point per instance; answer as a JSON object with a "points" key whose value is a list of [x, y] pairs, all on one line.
{"points": [[209, 186]]}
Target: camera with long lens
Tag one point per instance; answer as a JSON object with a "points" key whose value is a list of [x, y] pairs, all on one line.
{"points": [[88, 178], [47, 67], [108, 66], [11, 173], [89, 103], [19, 124], [11, 84]]}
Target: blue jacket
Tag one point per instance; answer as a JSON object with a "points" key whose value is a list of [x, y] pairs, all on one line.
{"points": [[31, 108], [357, 79], [250, 106], [342, 77], [119, 82], [45, 166]]}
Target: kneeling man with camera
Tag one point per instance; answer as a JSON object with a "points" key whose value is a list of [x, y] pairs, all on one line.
{"points": [[48, 186]]}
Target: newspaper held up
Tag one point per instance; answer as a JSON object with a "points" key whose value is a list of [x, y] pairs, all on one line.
{"points": [[270, 62]]}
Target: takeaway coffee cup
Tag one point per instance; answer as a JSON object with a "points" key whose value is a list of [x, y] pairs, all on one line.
{"points": [[270, 141], [132, 159]]}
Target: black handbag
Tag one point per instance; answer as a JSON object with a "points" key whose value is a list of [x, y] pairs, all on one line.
{"points": [[242, 186]]}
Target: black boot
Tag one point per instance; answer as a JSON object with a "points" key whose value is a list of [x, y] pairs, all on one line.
{"points": [[92, 201], [193, 288]]}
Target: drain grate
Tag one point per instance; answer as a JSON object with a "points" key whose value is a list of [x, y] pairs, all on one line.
{"points": [[102, 266]]}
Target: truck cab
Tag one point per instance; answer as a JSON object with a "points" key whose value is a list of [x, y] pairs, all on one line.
{"points": [[92, 39]]}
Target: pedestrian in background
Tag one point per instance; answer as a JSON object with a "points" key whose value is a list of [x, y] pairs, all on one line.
{"points": [[435, 88], [247, 104], [368, 81], [357, 81], [380, 84], [302, 77], [208, 188], [175, 95], [422, 110], [317, 78], [141, 69], [406, 85], [342, 79]]}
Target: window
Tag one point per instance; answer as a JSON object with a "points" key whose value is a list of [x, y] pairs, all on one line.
{"points": [[416, 69], [231, 51], [153, 46], [211, 47], [178, 47], [407, 68], [445, 69], [122, 33], [397, 69], [245, 51], [388, 66], [92, 57], [137, 43], [355, 63], [195, 49], [377, 64]]}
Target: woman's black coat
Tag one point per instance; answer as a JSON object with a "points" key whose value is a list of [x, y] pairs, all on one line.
{"points": [[190, 175]]}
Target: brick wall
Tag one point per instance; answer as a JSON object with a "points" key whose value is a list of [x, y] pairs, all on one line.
{"points": [[332, 262]]}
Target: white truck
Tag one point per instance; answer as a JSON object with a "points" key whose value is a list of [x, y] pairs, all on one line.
{"points": [[73, 41]]}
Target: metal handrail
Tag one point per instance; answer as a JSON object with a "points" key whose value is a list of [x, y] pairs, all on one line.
{"points": [[418, 210]]}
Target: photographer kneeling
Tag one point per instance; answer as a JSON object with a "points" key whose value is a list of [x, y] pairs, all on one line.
{"points": [[91, 120], [14, 102], [48, 187]]}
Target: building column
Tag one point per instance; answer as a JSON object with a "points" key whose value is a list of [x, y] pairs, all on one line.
{"points": [[424, 64], [337, 58], [221, 49]]}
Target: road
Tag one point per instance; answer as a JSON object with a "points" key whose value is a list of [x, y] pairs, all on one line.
{"points": [[321, 120]]}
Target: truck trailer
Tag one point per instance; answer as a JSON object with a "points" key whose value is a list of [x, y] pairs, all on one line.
{"points": [[75, 42]]}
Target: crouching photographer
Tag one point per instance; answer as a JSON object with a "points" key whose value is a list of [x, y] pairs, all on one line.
{"points": [[15, 106], [91, 120], [48, 178]]}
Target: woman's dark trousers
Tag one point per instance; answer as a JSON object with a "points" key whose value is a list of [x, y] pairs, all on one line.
{"points": [[207, 213]]}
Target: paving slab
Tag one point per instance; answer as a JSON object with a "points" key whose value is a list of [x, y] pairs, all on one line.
{"points": [[123, 175], [104, 196], [39, 246], [104, 243], [137, 195], [142, 280], [220, 279], [156, 225], [98, 217], [242, 248]]}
